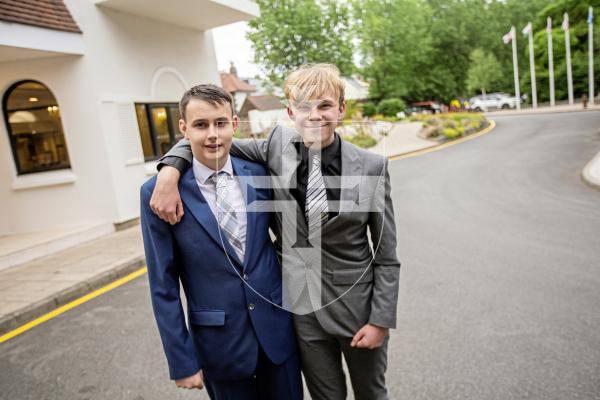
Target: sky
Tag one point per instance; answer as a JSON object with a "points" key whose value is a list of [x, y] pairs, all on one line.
{"points": [[231, 45]]}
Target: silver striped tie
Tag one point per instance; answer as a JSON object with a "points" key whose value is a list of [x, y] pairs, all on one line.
{"points": [[226, 215], [316, 209]]}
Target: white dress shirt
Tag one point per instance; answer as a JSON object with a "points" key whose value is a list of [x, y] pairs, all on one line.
{"points": [[202, 174]]}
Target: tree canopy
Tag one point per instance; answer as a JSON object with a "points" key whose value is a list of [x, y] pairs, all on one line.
{"points": [[423, 49]]}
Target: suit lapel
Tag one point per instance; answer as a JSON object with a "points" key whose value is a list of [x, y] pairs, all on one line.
{"points": [[244, 176], [351, 173], [192, 198], [351, 176]]}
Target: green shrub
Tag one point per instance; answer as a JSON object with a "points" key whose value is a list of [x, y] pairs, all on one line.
{"points": [[353, 110], [391, 107], [369, 109], [362, 140], [451, 133]]}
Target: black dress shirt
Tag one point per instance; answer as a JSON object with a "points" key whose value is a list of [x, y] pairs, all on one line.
{"points": [[331, 166]]}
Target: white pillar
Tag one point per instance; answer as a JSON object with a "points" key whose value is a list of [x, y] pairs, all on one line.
{"points": [[513, 32], [550, 63]]}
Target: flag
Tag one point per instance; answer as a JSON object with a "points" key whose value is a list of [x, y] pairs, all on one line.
{"points": [[565, 24], [590, 19], [507, 38], [527, 30], [549, 25]]}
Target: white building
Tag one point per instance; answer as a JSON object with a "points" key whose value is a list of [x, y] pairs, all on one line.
{"points": [[90, 91], [356, 88]]}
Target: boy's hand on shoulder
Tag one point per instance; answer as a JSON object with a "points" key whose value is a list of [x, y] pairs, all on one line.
{"points": [[369, 337], [195, 381], [165, 201]]}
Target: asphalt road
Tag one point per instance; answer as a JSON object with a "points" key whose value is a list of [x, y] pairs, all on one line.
{"points": [[500, 286]]}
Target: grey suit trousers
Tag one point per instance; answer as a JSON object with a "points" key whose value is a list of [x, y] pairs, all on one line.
{"points": [[321, 359]]}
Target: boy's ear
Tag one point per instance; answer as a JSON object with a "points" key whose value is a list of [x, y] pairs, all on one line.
{"points": [[291, 113], [183, 128], [342, 110], [235, 121]]}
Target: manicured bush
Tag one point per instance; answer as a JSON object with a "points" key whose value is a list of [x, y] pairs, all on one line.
{"points": [[362, 140], [451, 133], [369, 109], [391, 107]]}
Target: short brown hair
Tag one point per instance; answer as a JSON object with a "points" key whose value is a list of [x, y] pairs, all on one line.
{"points": [[209, 93], [322, 77]]}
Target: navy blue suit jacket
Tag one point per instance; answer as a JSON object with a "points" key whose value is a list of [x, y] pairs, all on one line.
{"points": [[227, 317]]}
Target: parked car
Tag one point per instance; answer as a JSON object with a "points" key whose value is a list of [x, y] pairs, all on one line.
{"points": [[493, 101], [424, 107]]}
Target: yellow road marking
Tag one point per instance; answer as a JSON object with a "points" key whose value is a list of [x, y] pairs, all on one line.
{"points": [[141, 271], [72, 304], [482, 132]]}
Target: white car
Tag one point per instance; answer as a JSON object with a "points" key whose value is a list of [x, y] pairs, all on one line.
{"points": [[493, 101]]}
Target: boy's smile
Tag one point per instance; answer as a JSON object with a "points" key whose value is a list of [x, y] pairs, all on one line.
{"points": [[316, 119]]}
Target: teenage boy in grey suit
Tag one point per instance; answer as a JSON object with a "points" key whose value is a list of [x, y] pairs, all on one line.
{"points": [[359, 281]]}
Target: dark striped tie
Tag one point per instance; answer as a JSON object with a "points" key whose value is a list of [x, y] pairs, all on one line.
{"points": [[316, 210]]}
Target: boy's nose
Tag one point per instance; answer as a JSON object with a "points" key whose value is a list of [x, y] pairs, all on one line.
{"points": [[212, 131], [314, 115]]}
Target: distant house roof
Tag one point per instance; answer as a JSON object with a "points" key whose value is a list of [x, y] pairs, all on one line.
{"points": [[264, 103], [52, 14], [261, 103], [232, 83]]}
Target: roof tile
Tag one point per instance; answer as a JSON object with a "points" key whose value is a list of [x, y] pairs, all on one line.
{"points": [[52, 14]]}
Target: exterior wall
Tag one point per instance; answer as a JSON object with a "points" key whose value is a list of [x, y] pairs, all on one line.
{"points": [[89, 199], [127, 59]]}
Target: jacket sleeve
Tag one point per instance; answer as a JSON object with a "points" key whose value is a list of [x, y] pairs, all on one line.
{"points": [[163, 275], [256, 150], [180, 156], [182, 150], [386, 267]]}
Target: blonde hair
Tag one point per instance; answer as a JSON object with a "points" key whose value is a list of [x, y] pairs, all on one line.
{"points": [[312, 81]]}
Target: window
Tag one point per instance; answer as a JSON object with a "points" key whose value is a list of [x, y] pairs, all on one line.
{"points": [[35, 129], [159, 128]]}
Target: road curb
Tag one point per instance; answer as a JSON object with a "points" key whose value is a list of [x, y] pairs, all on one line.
{"points": [[435, 147], [523, 113], [590, 175], [118, 270]]}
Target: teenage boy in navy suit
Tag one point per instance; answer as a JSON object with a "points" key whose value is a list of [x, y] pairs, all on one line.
{"points": [[238, 343]]}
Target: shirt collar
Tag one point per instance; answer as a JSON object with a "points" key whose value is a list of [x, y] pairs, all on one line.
{"points": [[202, 172], [328, 154]]}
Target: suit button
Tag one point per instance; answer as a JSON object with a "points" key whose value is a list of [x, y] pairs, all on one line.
{"points": [[245, 277], [251, 306]]}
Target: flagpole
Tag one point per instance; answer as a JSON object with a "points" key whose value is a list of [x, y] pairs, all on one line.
{"points": [[568, 54], [591, 55], [532, 68], [550, 63], [513, 32]]}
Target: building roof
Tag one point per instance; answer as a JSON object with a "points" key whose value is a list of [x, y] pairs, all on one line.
{"points": [[232, 83], [52, 14], [263, 103]]}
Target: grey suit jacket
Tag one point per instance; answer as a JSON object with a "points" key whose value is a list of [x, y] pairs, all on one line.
{"points": [[359, 277]]}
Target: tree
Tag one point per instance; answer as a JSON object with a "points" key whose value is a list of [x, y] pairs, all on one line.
{"points": [[579, 47], [395, 46], [289, 33], [484, 71]]}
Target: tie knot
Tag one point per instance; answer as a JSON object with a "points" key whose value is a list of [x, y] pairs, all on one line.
{"points": [[218, 178]]}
